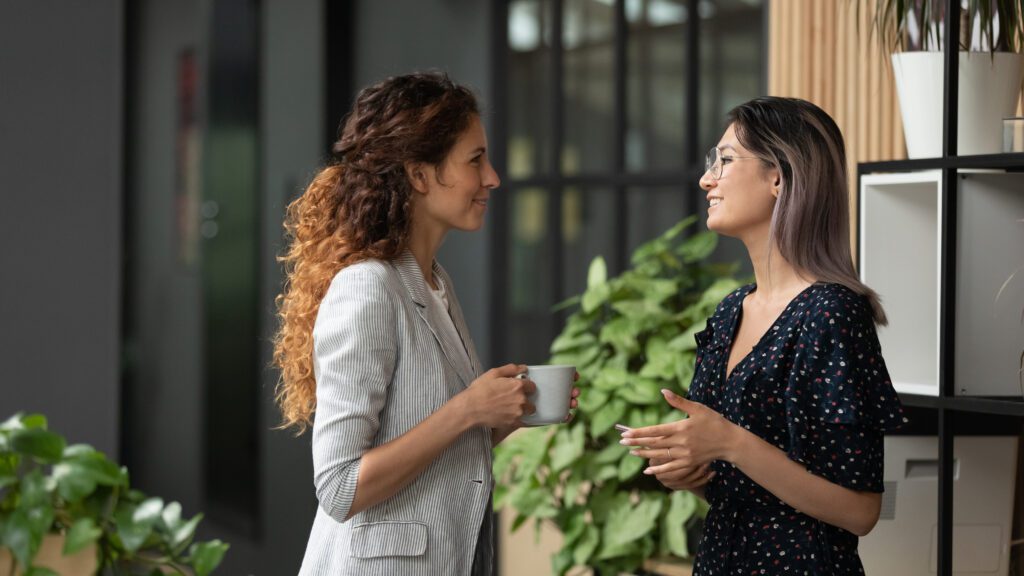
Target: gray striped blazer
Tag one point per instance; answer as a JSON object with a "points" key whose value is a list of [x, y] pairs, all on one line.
{"points": [[382, 365]]}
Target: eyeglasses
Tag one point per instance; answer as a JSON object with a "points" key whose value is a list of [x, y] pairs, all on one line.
{"points": [[715, 161]]}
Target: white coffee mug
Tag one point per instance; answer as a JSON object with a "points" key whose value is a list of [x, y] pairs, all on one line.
{"points": [[554, 390]]}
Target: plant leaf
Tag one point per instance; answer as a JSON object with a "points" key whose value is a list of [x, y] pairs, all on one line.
{"points": [[16, 535], [183, 533], [132, 534], [170, 518], [206, 556], [572, 490], [148, 512], [79, 450], [38, 443], [698, 247], [606, 417], [643, 391], [81, 534], [586, 545], [568, 446], [34, 490], [595, 297], [604, 500], [566, 342], [562, 561], [597, 273], [526, 497], [534, 452], [630, 467], [71, 484], [77, 476], [612, 453], [627, 523], [15, 422], [682, 505]]}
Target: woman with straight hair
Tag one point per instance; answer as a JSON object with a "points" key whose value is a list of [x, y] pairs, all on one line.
{"points": [[791, 397], [373, 348]]}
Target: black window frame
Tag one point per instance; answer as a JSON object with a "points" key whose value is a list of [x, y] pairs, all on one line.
{"points": [[554, 181]]}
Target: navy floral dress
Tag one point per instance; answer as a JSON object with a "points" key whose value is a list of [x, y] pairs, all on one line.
{"points": [[816, 387]]}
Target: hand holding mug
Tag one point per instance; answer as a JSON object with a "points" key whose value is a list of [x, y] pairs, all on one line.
{"points": [[499, 398]]}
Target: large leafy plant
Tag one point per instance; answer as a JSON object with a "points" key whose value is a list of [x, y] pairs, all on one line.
{"points": [[47, 487], [629, 337]]}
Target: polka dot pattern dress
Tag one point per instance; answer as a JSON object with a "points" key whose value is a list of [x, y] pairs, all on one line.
{"points": [[816, 387]]}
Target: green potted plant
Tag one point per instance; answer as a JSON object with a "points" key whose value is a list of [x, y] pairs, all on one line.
{"points": [[49, 488], [989, 85], [629, 337]]}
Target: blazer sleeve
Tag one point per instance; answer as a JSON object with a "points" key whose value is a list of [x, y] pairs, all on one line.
{"points": [[355, 349]]}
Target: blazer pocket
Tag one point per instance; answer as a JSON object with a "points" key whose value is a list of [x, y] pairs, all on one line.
{"points": [[378, 539]]}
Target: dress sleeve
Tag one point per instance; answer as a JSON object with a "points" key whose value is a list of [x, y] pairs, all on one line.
{"points": [[354, 356], [839, 397]]}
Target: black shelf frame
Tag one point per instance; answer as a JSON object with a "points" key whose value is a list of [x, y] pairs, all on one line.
{"points": [[1011, 162], [947, 404], [996, 406]]}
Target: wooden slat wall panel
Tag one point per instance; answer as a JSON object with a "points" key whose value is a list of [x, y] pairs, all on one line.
{"points": [[817, 53]]}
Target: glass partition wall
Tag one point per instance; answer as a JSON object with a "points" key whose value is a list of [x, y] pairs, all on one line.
{"points": [[601, 114]]}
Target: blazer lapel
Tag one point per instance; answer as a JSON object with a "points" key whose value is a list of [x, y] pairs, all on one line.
{"points": [[412, 277], [459, 321]]}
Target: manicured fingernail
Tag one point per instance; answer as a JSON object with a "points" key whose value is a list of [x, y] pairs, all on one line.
{"points": [[648, 471], [667, 392], [634, 453], [624, 442]]}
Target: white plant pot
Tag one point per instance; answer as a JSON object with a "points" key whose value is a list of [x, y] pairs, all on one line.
{"points": [[989, 89]]}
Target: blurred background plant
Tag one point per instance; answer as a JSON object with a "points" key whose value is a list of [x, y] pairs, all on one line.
{"points": [[629, 337], [917, 24], [48, 487]]}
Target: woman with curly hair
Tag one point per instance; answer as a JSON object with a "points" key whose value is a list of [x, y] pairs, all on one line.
{"points": [[373, 348]]}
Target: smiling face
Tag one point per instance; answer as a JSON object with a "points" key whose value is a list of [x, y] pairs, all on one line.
{"points": [[742, 199], [454, 195]]}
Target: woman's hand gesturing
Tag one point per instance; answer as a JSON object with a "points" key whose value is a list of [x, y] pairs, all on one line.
{"points": [[684, 447], [688, 478]]}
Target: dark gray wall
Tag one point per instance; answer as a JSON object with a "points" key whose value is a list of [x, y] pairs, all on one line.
{"points": [[60, 214], [167, 393], [293, 127], [401, 36], [164, 390]]}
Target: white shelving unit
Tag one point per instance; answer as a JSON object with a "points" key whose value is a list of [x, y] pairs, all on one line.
{"points": [[990, 247], [901, 247], [900, 240]]}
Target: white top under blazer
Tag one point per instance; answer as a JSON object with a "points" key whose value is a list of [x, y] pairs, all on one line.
{"points": [[382, 365]]}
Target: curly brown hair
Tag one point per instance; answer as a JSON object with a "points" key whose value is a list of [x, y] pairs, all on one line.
{"points": [[357, 208]]}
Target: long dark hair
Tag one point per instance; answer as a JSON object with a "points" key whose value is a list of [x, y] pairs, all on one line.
{"points": [[811, 220], [358, 207]]}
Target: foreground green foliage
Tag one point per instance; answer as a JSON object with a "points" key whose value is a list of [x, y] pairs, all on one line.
{"points": [[48, 487]]}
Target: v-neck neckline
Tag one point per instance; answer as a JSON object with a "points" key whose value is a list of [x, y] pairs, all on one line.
{"points": [[771, 329]]}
